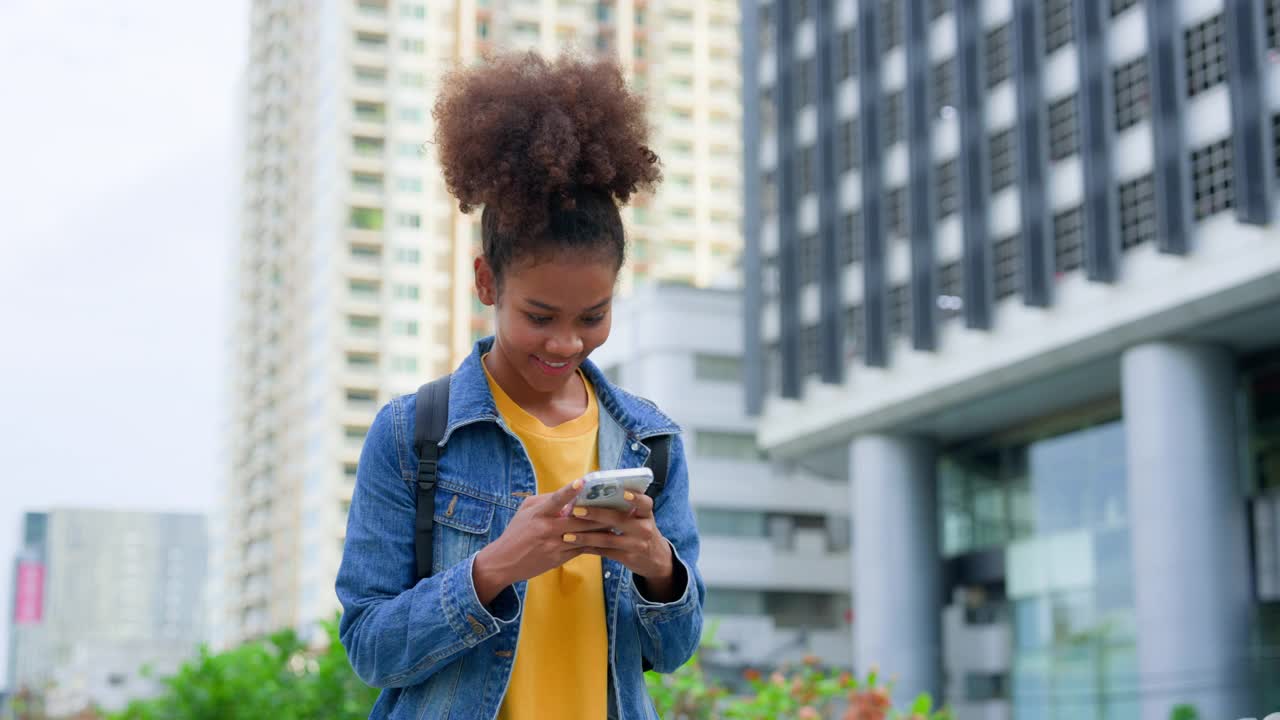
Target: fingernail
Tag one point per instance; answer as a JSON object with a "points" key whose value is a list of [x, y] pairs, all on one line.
{"points": [[570, 537], [580, 512], [629, 496], [577, 484]]}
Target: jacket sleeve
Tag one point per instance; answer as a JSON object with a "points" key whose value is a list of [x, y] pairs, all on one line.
{"points": [[398, 630], [670, 632]]}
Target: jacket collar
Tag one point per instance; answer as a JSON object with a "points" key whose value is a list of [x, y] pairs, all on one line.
{"points": [[471, 401]]}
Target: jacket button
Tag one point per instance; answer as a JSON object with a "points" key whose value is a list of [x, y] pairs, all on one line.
{"points": [[635, 446], [607, 574]]}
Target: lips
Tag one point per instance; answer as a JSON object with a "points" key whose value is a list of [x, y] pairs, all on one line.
{"points": [[559, 367]]}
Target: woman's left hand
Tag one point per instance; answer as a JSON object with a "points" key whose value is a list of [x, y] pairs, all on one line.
{"points": [[638, 545]]}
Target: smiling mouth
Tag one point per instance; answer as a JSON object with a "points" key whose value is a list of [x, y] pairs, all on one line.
{"points": [[552, 367]]}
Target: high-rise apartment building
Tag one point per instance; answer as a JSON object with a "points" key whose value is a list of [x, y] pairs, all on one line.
{"points": [[99, 595], [774, 538], [1019, 262], [354, 277]]}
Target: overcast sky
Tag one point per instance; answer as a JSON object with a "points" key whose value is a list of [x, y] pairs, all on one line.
{"points": [[117, 185]]}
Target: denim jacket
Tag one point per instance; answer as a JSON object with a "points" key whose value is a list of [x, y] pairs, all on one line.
{"points": [[433, 648]]}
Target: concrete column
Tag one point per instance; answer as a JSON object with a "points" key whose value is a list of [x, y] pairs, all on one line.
{"points": [[896, 565], [1189, 532]]}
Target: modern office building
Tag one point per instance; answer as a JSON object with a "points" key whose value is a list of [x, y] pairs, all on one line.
{"points": [[775, 539], [98, 595], [1018, 261], [354, 279]]}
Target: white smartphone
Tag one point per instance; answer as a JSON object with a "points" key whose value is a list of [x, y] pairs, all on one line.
{"points": [[604, 488]]}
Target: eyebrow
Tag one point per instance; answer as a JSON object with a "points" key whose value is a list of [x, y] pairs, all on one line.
{"points": [[552, 308]]}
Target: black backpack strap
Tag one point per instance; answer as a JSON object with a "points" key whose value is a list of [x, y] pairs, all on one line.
{"points": [[431, 415], [659, 460]]}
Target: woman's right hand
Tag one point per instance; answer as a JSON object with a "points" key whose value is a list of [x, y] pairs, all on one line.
{"points": [[532, 543]]}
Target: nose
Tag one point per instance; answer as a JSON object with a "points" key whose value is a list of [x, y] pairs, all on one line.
{"points": [[564, 345]]}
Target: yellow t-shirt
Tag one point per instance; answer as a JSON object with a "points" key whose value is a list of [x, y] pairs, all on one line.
{"points": [[562, 659]]}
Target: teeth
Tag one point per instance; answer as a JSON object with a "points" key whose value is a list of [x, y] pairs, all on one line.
{"points": [[554, 365]]}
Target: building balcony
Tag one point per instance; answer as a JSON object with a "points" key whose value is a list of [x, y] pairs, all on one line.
{"points": [[757, 641], [757, 563]]}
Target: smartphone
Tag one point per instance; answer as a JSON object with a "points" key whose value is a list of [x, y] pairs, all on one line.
{"points": [[604, 488]]}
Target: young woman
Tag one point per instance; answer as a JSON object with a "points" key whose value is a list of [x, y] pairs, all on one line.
{"points": [[531, 611]]}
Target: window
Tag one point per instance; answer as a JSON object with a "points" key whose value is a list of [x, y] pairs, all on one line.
{"points": [[363, 324], [367, 146], [363, 289], [1206, 57], [415, 46], [406, 328], [950, 302], [370, 77], [409, 220], [411, 115], [1008, 256], [999, 60], [855, 331], [413, 79], [808, 258], [726, 601], [1273, 25], [409, 184], [404, 364], [891, 20], [944, 85], [806, 90], [1002, 160], [363, 218], [802, 11], [717, 368], [361, 396], [899, 310], [894, 123], [1064, 133], [810, 351], [769, 193], [413, 10], [406, 292], [948, 196], [797, 610], [1130, 85], [370, 112], [365, 253], [896, 210], [1211, 179], [482, 28], [938, 8], [806, 171], [367, 182], [408, 256], [362, 361], [371, 41], [1275, 135], [766, 27], [848, 54], [1058, 28], [726, 445], [850, 155], [1068, 231], [1119, 6], [850, 248], [1137, 212], [767, 111]]}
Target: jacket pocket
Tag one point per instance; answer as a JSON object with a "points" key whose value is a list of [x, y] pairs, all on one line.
{"points": [[463, 512]]}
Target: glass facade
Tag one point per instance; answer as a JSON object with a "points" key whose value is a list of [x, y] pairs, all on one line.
{"points": [[1055, 507], [1261, 403]]}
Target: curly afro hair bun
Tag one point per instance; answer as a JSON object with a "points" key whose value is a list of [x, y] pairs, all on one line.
{"points": [[529, 139]]}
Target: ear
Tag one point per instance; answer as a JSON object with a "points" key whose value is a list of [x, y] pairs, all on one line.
{"points": [[486, 283]]}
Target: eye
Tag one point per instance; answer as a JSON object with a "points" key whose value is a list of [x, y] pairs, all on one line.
{"points": [[538, 319], [593, 319]]}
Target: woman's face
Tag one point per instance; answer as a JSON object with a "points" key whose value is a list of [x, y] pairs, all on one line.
{"points": [[550, 315]]}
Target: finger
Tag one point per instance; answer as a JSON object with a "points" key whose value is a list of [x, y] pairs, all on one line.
{"points": [[641, 503], [599, 540], [560, 499], [580, 525], [606, 516]]}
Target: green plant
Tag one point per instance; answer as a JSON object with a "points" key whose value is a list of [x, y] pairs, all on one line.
{"points": [[277, 678], [1184, 712]]}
